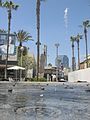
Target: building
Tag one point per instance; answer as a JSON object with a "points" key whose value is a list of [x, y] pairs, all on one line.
{"points": [[83, 63], [12, 57], [43, 60], [62, 61]]}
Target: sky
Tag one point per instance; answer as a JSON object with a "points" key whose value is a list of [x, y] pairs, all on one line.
{"points": [[56, 25]]}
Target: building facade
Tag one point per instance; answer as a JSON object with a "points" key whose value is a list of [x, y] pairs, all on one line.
{"points": [[83, 64], [12, 57], [43, 59]]}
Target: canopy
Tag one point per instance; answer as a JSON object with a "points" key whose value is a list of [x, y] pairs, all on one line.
{"points": [[16, 68]]}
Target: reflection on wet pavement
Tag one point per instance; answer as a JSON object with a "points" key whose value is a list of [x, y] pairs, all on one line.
{"points": [[54, 102]]}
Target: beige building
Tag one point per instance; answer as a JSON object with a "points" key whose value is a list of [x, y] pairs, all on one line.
{"points": [[83, 63]]}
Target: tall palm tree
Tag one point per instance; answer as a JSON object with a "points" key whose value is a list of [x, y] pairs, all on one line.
{"points": [[77, 39], [9, 5], [38, 34], [86, 24], [22, 36], [72, 39]]}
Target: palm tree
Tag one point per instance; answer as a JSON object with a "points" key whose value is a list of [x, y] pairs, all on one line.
{"points": [[22, 36], [86, 24], [9, 6], [72, 39], [77, 39], [38, 33]]}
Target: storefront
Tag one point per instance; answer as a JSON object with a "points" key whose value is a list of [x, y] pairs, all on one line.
{"points": [[10, 73]]}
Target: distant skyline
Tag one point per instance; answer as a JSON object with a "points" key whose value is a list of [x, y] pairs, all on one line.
{"points": [[59, 20]]}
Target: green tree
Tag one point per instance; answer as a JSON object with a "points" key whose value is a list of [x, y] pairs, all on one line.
{"points": [[86, 24], [77, 39], [9, 5], [28, 62], [72, 39]]}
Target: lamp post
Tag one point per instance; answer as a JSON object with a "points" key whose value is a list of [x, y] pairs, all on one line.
{"points": [[21, 50]]}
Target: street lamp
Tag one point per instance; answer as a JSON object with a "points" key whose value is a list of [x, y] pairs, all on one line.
{"points": [[21, 51]]}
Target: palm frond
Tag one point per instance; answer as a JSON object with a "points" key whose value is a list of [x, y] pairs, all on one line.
{"points": [[9, 5], [79, 36], [86, 23], [72, 38], [23, 36]]}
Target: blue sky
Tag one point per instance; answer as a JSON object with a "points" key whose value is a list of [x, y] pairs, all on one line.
{"points": [[53, 28]]}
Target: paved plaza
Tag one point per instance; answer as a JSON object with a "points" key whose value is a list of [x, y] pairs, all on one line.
{"points": [[44, 101]]}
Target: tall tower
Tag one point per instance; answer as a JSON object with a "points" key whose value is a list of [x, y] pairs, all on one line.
{"points": [[57, 60], [57, 45]]}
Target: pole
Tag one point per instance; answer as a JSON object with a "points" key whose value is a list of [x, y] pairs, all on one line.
{"points": [[21, 49]]}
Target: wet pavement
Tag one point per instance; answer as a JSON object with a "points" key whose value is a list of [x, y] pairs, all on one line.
{"points": [[44, 101]]}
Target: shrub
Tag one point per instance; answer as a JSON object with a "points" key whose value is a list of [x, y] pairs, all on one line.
{"points": [[35, 79]]}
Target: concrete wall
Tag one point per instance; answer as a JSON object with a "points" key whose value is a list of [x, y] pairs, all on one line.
{"points": [[79, 75]]}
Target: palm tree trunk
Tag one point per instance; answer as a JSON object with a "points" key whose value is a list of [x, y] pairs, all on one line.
{"points": [[20, 44], [38, 36], [78, 55], [9, 24], [85, 32], [72, 56]]}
